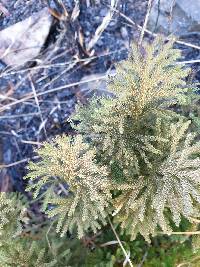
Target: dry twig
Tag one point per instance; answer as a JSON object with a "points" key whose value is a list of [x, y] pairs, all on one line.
{"points": [[2, 166], [30, 96], [150, 32], [145, 22], [38, 105], [103, 25], [180, 233], [120, 243]]}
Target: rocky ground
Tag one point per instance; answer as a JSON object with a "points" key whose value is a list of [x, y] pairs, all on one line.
{"points": [[81, 41]]}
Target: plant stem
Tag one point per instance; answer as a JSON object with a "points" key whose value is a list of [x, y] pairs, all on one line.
{"points": [[120, 243]]}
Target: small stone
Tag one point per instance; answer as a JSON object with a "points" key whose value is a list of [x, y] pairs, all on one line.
{"points": [[55, 120], [97, 19], [100, 42], [124, 33], [103, 12], [113, 23], [87, 33]]}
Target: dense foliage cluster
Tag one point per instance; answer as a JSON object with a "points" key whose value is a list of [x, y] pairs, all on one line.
{"points": [[135, 159], [151, 155], [22, 242], [69, 165]]}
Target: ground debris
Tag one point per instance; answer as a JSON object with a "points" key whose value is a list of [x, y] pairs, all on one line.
{"points": [[23, 41]]}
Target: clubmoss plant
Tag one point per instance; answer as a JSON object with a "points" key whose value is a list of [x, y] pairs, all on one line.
{"points": [[20, 244], [76, 187], [134, 162], [134, 154]]}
